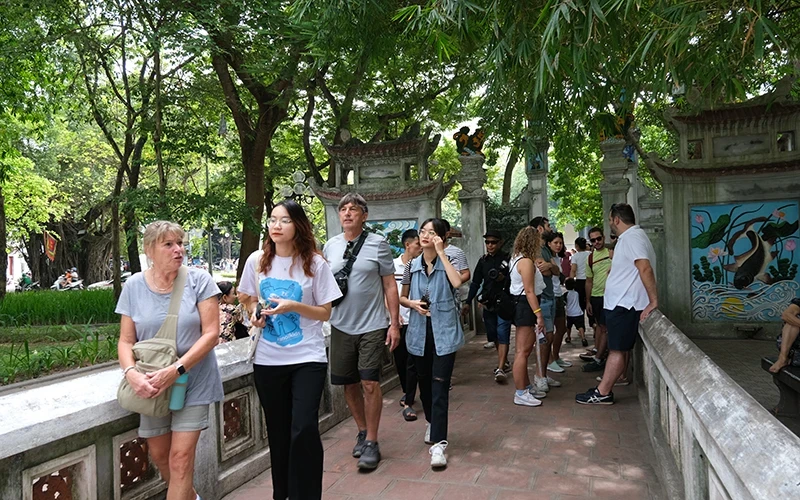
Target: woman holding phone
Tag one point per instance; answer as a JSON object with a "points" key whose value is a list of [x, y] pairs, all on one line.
{"points": [[430, 287], [296, 288]]}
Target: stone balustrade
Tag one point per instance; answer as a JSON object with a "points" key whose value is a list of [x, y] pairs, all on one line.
{"points": [[712, 440], [70, 440]]}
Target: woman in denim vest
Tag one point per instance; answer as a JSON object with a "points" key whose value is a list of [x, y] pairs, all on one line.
{"points": [[434, 331]]}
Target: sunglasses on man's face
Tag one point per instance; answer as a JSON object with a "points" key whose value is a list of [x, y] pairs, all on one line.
{"points": [[491, 242], [595, 240]]}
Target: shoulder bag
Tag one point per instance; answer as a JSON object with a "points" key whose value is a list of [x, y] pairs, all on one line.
{"points": [[506, 303], [154, 354], [341, 276]]}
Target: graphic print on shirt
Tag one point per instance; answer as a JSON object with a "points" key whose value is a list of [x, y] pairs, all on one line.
{"points": [[282, 329]]}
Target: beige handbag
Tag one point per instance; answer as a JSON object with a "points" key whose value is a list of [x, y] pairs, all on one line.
{"points": [[154, 354]]}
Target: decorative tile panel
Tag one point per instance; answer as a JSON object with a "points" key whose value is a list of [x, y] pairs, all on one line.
{"points": [[236, 422], [135, 475], [69, 477]]}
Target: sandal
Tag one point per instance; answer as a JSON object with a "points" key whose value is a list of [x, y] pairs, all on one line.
{"points": [[409, 414]]}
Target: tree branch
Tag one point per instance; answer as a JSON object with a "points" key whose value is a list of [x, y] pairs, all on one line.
{"points": [[311, 90]]}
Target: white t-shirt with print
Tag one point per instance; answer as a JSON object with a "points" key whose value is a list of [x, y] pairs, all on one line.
{"points": [[289, 338], [399, 269]]}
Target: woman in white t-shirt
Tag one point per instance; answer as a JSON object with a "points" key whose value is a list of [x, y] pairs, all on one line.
{"points": [[555, 242], [579, 262], [295, 287], [527, 285]]}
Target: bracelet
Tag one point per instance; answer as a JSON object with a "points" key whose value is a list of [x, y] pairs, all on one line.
{"points": [[537, 311], [126, 370]]}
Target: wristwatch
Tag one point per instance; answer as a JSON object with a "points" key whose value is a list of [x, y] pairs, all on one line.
{"points": [[180, 368]]}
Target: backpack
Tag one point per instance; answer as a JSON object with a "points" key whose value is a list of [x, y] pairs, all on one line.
{"points": [[506, 306]]}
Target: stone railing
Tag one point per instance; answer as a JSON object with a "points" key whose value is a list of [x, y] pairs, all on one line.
{"points": [[712, 439], [70, 440]]}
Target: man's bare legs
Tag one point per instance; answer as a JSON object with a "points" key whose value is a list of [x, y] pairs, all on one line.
{"points": [[789, 335], [615, 365], [365, 407]]}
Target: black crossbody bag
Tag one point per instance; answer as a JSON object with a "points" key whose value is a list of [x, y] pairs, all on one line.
{"points": [[342, 275]]}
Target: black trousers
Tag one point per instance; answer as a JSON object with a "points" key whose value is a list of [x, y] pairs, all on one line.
{"points": [[433, 374], [406, 370], [290, 396]]}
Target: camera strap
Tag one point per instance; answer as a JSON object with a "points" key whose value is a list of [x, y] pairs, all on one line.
{"points": [[348, 266]]}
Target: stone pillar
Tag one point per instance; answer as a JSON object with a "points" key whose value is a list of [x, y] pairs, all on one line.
{"points": [[615, 184], [537, 180], [473, 205]]}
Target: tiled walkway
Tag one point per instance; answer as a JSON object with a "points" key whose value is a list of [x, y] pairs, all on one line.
{"points": [[498, 451]]}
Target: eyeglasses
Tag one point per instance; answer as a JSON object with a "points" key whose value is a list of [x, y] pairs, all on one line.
{"points": [[427, 232], [283, 221], [595, 240], [491, 242]]}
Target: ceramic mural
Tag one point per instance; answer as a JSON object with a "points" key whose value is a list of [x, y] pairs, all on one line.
{"points": [[744, 260], [392, 230]]}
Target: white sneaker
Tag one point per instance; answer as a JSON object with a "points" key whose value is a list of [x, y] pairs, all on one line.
{"points": [[438, 458], [428, 434], [488, 345], [537, 394], [541, 385], [563, 363], [526, 399], [553, 383], [555, 368]]}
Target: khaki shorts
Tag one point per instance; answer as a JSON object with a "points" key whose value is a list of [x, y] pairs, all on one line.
{"points": [[356, 357], [191, 418]]}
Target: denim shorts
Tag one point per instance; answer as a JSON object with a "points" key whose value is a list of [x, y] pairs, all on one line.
{"points": [[548, 305], [190, 418]]}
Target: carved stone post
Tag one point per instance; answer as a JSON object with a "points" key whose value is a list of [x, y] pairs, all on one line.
{"points": [[473, 205], [537, 168], [615, 185]]}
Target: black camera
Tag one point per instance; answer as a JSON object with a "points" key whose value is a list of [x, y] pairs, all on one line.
{"points": [[426, 302]]}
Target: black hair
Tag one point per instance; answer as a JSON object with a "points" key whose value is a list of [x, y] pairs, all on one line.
{"points": [[225, 287], [408, 234], [624, 212], [596, 229], [446, 225], [439, 226], [538, 221], [580, 243], [569, 284]]}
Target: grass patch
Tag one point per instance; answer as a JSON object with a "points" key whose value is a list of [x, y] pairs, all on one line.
{"points": [[50, 307], [39, 351]]}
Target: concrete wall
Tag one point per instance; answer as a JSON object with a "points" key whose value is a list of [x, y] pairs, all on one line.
{"points": [[679, 194], [76, 424], [712, 439]]}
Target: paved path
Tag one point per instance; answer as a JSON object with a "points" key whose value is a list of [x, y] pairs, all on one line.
{"points": [[498, 451], [741, 360]]}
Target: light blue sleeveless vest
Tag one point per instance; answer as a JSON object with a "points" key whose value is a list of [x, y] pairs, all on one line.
{"points": [[447, 333]]}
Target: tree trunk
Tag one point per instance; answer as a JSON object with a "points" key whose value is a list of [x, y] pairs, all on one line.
{"points": [[115, 229], [3, 245], [254, 198], [513, 157]]}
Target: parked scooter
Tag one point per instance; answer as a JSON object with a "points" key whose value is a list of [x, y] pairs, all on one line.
{"points": [[109, 283], [68, 281], [26, 283]]}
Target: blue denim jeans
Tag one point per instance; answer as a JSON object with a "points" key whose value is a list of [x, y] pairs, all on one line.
{"points": [[548, 305], [497, 329]]}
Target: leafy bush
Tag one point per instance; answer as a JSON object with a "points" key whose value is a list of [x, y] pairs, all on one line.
{"points": [[50, 307]]}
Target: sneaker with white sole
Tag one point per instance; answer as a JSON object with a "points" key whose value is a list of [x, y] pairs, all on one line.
{"points": [[540, 384], [526, 399], [428, 434], [593, 397], [537, 394], [499, 376], [488, 345], [555, 368], [563, 363], [438, 457], [552, 382]]}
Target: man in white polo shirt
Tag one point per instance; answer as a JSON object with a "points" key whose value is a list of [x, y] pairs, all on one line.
{"points": [[630, 296]]}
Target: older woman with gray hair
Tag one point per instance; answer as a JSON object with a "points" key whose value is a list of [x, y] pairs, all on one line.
{"points": [[143, 305]]}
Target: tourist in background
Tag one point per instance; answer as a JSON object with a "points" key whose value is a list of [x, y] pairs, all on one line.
{"points": [[143, 306], [527, 285], [598, 266], [555, 242], [230, 314], [578, 273], [434, 334], [296, 287], [550, 271], [406, 370], [574, 311], [489, 278]]}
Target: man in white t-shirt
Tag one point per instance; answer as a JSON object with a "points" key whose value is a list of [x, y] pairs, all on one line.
{"points": [[402, 361], [630, 296]]}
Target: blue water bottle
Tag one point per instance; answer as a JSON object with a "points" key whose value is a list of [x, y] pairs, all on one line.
{"points": [[178, 396]]}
